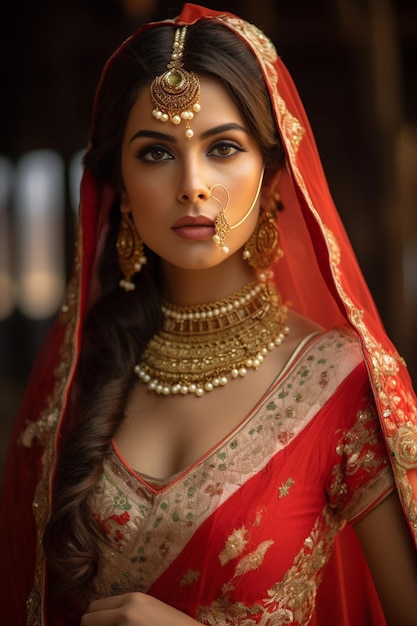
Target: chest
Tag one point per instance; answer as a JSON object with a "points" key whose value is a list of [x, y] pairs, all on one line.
{"points": [[162, 435]]}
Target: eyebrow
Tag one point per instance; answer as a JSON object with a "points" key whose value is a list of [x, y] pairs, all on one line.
{"points": [[216, 130], [154, 135]]}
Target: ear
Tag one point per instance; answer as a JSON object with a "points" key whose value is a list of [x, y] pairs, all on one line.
{"points": [[124, 202]]}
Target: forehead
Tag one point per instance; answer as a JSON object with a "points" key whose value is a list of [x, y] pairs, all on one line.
{"points": [[217, 107]]}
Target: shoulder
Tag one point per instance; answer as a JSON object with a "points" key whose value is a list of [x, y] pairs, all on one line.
{"points": [[340, 341], [324, 356]]}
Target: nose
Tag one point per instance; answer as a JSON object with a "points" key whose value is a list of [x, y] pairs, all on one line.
{"points": [[195, 194], [192, 186]]}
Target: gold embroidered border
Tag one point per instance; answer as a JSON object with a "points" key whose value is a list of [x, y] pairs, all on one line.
{"points": [[45, 431]]}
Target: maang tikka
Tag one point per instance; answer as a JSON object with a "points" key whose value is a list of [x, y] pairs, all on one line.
{"points": [[176, 92]]}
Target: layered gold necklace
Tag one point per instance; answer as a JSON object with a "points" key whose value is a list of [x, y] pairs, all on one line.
{"points": [[200, 348]]}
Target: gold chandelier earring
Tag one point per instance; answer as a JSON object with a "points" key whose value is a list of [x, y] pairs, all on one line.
{"points": [[130, 252], [262, 247]]}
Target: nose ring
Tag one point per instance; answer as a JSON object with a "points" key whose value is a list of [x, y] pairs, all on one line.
{"points": [[221, 224]]}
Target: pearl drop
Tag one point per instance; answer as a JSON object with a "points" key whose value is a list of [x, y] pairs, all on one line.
{"points": [[225, 250], [216, 382], [243, 371], [249, 363], [223, 380], [208, 386], [184, 390], [166, 391], [176, 119], [164, 117], [196, 107], [246, 254], [216, 238], [234, 373], [189, 133], [137, 369], [199, 392], [192, 388]]}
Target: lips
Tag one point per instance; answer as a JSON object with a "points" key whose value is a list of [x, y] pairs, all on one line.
{"points": [[194, 228]]}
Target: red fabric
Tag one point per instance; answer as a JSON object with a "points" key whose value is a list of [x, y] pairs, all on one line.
{"points": [[319, 275]]}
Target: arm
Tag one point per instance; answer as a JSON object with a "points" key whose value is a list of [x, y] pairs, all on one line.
{"points": [[392, 559], [134, 609]]}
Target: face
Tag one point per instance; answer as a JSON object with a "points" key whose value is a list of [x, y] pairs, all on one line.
{"points": [[167, 178]]}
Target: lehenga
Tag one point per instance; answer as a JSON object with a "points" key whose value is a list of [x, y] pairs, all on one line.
{"points": [[242, 537]]}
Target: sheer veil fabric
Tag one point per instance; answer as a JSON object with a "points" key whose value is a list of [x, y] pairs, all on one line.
{"points": [[319, 275]]}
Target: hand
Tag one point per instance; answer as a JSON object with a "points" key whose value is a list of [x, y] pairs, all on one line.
{"points": [[134, 609]]}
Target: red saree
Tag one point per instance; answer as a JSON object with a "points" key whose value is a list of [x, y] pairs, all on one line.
{"points": [[320, 276]]}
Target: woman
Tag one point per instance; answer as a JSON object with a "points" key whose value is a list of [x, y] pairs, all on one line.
{"points": [[216, 401]]}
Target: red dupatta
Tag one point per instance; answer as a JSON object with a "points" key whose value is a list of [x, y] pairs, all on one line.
{"points": [[319, 275]]}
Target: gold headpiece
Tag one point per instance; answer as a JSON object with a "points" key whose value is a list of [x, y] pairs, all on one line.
{"points": [[176, 92]]}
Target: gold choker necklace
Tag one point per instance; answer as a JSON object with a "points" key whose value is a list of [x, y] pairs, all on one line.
{"points": [[200, 347]]}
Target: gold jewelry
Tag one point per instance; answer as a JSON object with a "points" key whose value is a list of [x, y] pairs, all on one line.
{"points": [[199, 348], [221, 224], [262, 247], [129, 251], [176, 92]]}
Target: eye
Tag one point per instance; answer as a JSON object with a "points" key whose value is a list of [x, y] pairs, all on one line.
{"points": [[154, 154], [226, 149]]}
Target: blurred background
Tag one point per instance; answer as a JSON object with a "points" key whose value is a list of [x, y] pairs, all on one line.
{"points": [[354, 62]]}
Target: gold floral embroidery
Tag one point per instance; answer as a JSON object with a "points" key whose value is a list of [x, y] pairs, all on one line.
{"points": [[254, 36], [253, 560], [288, 601], [284, 489], [190, 576], [235, 545], [405, 446]]}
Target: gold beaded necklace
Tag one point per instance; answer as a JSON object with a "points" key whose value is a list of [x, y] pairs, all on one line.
{"points": [[200, 348]]}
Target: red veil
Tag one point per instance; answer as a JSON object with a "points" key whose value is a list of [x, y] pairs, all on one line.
{"points": [[319, 275]]}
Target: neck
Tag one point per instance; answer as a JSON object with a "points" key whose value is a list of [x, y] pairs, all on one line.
{"points": [[190, 287]]}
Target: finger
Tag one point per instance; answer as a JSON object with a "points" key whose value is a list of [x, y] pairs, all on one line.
{"points": [[108, 617], [104, 604]]}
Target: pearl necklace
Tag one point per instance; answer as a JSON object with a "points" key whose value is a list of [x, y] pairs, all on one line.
{"points": [[200, 348]]}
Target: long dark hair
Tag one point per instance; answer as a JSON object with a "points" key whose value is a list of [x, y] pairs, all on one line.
{"points": [[120, 324]]}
